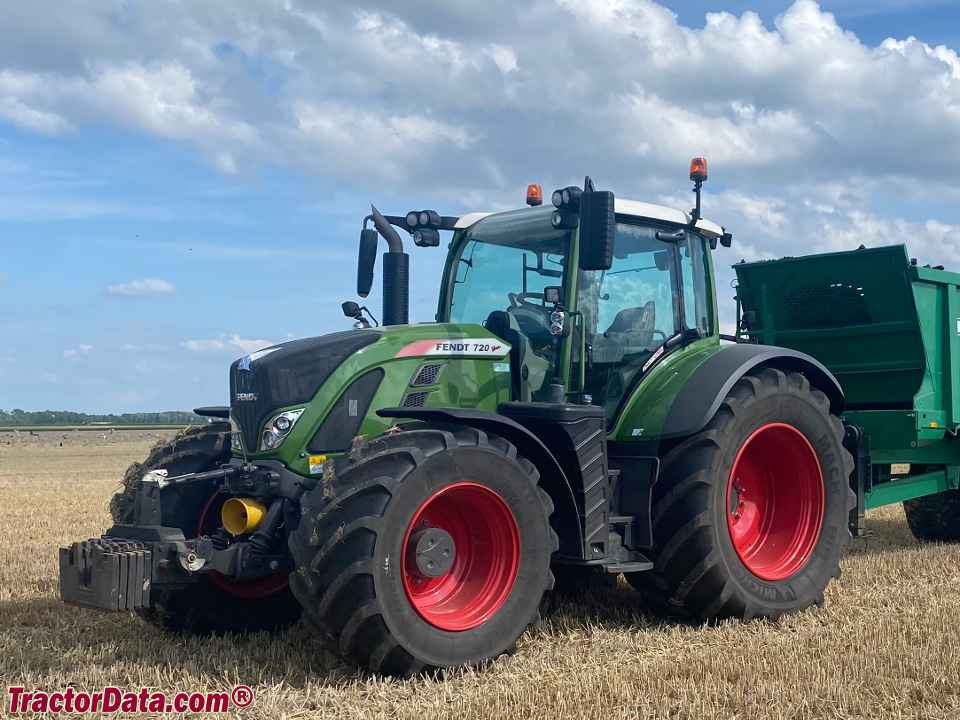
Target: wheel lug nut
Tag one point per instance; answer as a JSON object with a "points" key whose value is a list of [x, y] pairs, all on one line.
{"points": [[741, 503], [737, 516], [424, 522]]}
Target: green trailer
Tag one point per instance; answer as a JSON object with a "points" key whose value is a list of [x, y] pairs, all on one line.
{"points": [[889, 331]]}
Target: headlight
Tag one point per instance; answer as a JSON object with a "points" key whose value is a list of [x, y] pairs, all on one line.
{"points": [[236, 441], [277, 429]]}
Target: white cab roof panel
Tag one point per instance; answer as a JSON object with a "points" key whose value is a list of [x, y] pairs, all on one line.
{"points": [[632, 208]]}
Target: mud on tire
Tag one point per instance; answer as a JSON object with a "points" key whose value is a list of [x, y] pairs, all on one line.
{"points": [[356, 521], [699, 573], [204, 607]]}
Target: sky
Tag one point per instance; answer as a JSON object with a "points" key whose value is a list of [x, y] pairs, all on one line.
{"points": [[183, 182]]}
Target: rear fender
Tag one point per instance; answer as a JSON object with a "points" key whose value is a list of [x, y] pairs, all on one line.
{"points": [[701, 394]]}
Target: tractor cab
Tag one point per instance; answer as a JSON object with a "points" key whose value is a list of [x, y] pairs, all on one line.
{"points": [[504, 269]]}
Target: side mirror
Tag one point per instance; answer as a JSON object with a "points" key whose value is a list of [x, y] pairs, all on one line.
{"points": [[598, 228], [748, 321], [366, 261], [726, 239], [350, 309]]}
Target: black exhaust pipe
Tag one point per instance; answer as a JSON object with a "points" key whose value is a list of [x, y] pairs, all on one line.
{"points": [[396, 288], [396, 270]]}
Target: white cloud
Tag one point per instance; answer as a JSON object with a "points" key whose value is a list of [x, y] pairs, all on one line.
{"points": [[225, 342], [4, 276], [137, 288], [75, 354]]}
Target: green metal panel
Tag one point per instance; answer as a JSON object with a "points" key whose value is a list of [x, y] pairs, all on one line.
{"points": [[853, 311], [643, 416], [909, 488]]}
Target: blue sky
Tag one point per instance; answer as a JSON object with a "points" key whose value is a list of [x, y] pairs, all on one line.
{"points": [[181, 185]]}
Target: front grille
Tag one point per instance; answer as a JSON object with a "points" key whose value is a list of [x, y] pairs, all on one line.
{"points": [[418, 399], [290, 375], [426, 375]]}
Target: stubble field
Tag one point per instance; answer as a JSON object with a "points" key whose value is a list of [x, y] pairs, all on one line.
{"points": [[887, 644]]}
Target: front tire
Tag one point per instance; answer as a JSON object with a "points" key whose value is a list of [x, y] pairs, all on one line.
{"points": [[381, 515], [750, 515]]}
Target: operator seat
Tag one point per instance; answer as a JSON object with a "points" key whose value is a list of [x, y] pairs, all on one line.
{"points": [[635, 324], [630, 333], [527, 369]]}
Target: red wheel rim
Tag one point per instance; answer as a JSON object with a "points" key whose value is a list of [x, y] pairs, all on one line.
{"points": [[260, 587], [487, 556], [775, 505]]}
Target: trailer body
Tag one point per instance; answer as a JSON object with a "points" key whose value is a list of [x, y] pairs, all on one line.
{"points": [[889, 331]]}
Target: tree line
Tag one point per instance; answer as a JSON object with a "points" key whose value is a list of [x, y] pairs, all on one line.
{"points": [[62, 417]]}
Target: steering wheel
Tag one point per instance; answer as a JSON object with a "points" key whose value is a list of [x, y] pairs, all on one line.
{"points": [[520, 299]]}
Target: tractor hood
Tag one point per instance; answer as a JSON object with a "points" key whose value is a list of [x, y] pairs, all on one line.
{"points": [[468, 364], [287, 374]]}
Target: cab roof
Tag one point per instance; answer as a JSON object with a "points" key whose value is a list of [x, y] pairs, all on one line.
{"points": [[632, 208]]}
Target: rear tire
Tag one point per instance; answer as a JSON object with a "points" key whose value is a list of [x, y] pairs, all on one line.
{"points": [[750, 515], [935, 518], [210, 605], [355, 550]]}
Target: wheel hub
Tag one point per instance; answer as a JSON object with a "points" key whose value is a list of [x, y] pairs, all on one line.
{"points": [[775, 501], [434, 552], [461, 555]]}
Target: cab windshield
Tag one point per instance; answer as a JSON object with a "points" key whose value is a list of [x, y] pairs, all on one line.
{"points": [[654, 290], [498, 276]]}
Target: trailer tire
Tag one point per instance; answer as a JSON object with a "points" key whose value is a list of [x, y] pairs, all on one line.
{"points": [[716, 512], [205, 607], [935, 518], [358, 573]]}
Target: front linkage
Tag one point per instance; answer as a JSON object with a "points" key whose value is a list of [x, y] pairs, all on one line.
{"points": [[123, 569]]}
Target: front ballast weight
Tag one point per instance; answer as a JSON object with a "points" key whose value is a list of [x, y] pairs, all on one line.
{"points": [[120, 570]]}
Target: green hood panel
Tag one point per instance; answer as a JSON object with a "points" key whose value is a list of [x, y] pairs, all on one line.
{"points": [[474, 372]]}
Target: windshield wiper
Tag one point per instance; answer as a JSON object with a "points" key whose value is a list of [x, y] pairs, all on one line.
{"points": [[619, 272]]}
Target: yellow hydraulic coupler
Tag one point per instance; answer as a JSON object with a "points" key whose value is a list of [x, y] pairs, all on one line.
{"points": [[242, 515]]}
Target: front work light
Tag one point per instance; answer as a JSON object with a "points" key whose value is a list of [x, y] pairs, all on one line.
{"points": [[568, 198]]}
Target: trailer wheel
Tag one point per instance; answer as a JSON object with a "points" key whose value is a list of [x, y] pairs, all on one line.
{"points": [[214, 604], [935, 518], [750, 515], [424, 549]]}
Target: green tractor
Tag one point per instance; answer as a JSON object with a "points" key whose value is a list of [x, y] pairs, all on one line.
{"points": [[574, 412]]}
